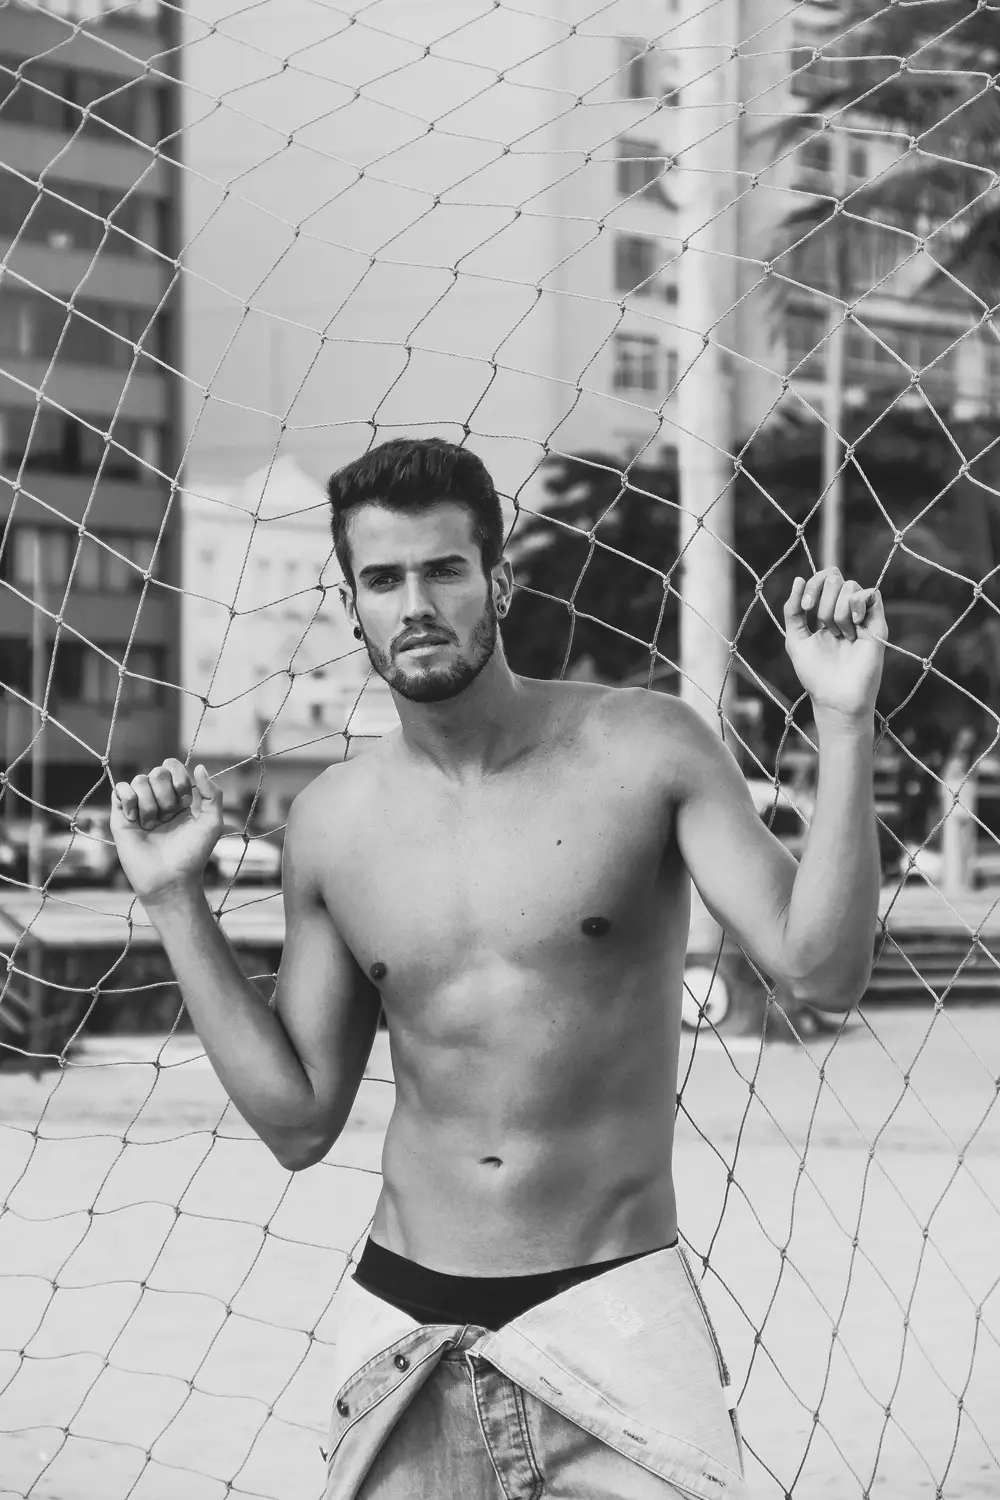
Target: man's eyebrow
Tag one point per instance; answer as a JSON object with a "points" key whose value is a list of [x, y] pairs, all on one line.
{"points": [[430, 562]]}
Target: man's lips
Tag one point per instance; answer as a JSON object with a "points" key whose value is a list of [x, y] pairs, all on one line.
{"points": [[424, 640]]}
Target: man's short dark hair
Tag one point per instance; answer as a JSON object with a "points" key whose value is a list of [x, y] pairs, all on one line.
{"points": [[411, 475]]}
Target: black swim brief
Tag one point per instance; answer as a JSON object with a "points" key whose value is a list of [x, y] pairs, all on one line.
{"points": [[489, 1301]]}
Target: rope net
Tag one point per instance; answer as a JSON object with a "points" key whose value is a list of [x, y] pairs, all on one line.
{"points": [[711, 288]]}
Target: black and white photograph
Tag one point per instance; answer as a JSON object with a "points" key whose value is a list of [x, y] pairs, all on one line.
{"points": [[499, 750]]}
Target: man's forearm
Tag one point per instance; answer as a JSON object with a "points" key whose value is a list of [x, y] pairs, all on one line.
{"points": [[243, 1037], [833, 913]]}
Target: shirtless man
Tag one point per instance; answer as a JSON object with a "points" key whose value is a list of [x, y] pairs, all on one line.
{"points": [[508, 875]]}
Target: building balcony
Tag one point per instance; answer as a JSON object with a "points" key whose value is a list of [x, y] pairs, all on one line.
{"points": [[116, 504], [31, 150], [77, 734], [106, 47], [139, 281], [108, 618], [85, 390]]}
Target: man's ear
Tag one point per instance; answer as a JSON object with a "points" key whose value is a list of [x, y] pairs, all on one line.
{"points": [[503, 578], [347, 602]]}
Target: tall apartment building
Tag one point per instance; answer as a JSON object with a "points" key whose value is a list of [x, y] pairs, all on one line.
{"points": [[436, 219], [89, 333]]}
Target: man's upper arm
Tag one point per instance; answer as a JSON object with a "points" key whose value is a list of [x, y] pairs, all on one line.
{"points": [[327, 1004], [743, 873]]}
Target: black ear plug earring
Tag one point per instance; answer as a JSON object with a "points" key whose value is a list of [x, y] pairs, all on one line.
{"points": [[357, 633]]}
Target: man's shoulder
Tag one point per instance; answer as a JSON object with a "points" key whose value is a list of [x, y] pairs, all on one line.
{"points": [[602, 702], [629, 711], [339, 788], [661, 733]]}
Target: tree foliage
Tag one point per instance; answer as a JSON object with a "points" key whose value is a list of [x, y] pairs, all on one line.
{"points": [[915, 525], [926, 77], [597, 563]]}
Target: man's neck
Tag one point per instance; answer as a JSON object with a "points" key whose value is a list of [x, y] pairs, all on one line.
{"points": [[476, 733]]}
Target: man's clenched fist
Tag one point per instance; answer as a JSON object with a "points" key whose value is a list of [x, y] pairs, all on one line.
{"points": [[165, 825]]}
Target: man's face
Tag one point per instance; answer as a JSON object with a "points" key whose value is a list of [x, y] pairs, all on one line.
{"points": [[421, 576]]}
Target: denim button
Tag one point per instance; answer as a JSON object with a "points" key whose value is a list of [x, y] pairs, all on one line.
{"points": [[343, 1407], [401, 1362]]}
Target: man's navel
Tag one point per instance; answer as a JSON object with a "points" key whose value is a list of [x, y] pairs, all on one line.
{"points": [[595, 926]]}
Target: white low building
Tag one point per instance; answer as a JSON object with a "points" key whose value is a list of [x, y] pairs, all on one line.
{"points": [[275, 687]]}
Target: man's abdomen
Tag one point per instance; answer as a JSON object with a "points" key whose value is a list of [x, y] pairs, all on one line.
{"points": [[515, 1159]]}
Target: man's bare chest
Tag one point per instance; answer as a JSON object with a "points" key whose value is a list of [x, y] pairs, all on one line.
{"points": [[556, 870]]}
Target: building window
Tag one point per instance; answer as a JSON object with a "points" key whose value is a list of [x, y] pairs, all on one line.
{"points": [[992, 363], [635, 64], [15, 654], [811, 261], [73, 99], [670, 294], [804, 332], [53, 557], [82, 674], [53, 443], [857, 161], [879, 354], [98, 678], [636, 262], [34, 326], [78, 216], [98, 568], [639, 167], [144, 662], [673, 369], [817, 154], [874, 251], [813, 77], [15, 326], [637, 360]]}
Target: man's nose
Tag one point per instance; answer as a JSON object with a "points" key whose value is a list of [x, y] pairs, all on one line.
{"points": [[417, 604]]}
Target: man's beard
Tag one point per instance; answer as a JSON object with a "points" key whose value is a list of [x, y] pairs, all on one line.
{"points": [[435, 684]]}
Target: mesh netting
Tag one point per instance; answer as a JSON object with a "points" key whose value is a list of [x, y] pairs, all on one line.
{"points": [[711, 288]]}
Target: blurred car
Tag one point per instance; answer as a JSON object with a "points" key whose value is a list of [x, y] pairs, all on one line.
{"points": [[13, 860], [76, 847], [923, 862], [244, 854], [82, 838]]}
